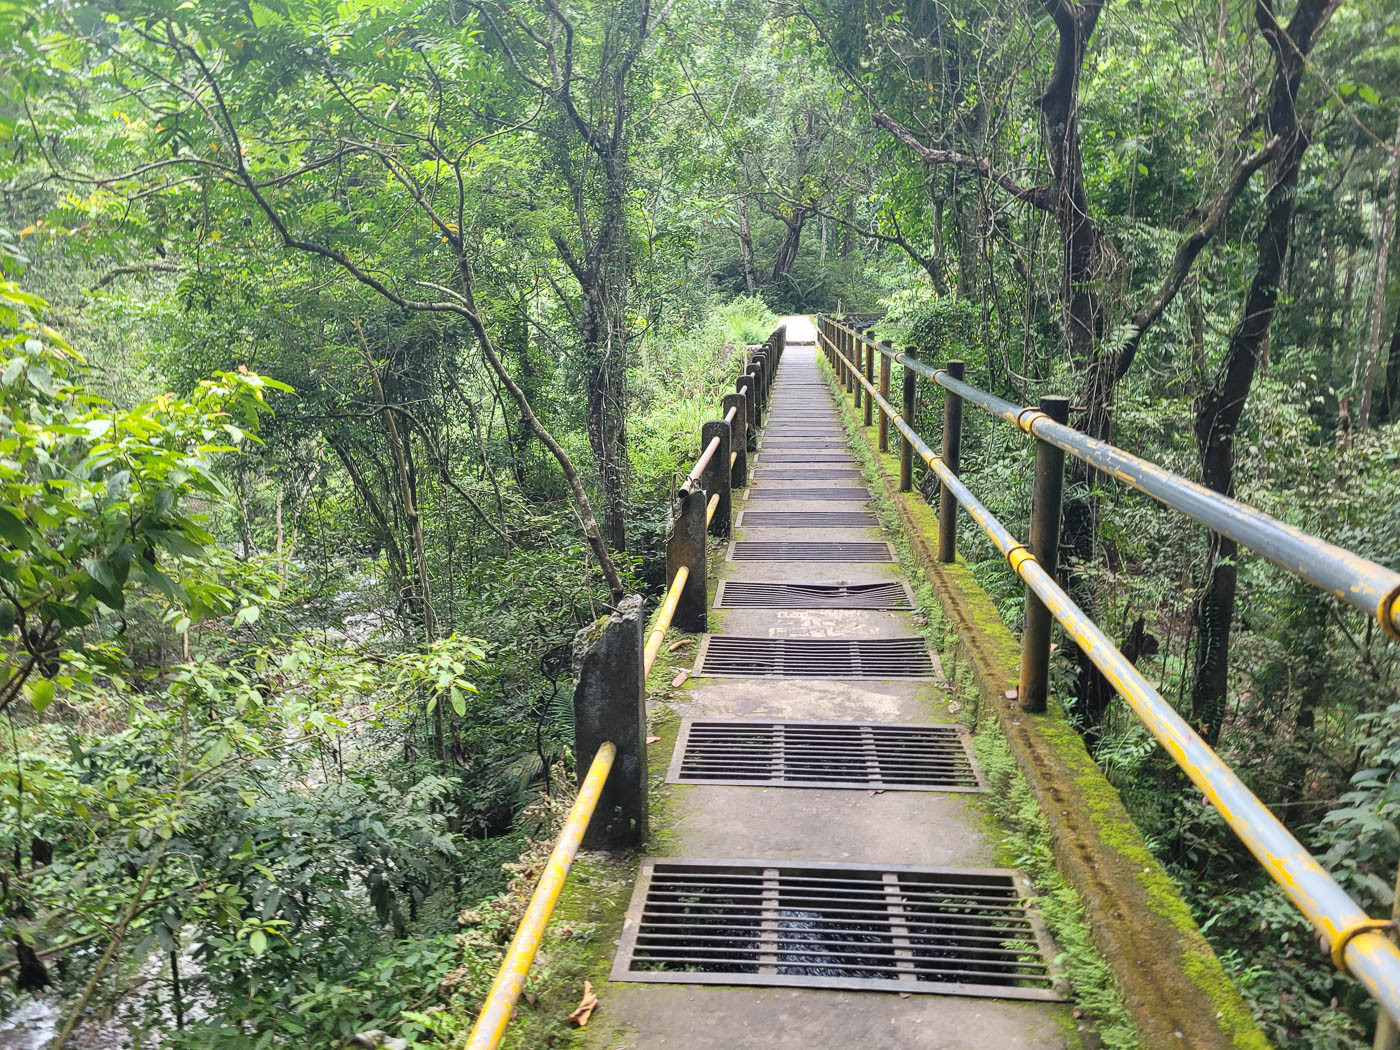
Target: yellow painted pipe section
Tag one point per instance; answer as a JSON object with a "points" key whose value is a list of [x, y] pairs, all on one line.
{"points": [[1358, 944], [505, 991], [668, 610], [712, 506]]}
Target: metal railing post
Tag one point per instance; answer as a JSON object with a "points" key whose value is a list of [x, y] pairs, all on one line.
{"points": [[738, 440], [952, 451], [715, 479], [909, 412], [1046, 506], [685, 547], [884, 441], [610, 705]]}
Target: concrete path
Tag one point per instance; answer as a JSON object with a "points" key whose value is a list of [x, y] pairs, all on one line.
{"points": [[789, 824]]}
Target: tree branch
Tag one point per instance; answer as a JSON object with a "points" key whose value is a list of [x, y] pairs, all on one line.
{"points": [[1036, 196]]}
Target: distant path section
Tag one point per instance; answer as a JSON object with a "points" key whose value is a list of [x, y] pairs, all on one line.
{"points": [[800, 328]]}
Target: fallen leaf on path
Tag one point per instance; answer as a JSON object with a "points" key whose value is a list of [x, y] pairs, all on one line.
{"points": [[1010, 694], [676, 645], [680, 678], [653, 739], [954, 707], [585, 1007]]}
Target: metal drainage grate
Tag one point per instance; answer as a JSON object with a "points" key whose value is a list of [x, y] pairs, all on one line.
{"points": [[810, 550], [805, 519], [750, 594], [948, 931], [815, 455], [887, 659], [807, 473], [808, 494], [883, 756]]}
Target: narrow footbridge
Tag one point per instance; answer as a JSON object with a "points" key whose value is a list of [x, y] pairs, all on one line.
{"points": [[825, 869]]}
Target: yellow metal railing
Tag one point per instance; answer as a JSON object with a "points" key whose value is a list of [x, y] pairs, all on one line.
{"points": [[510, 981], [505, 991], [663, 619], [1358, 944]]}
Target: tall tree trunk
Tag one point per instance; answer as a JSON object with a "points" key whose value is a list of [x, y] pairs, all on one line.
{"points": [[792, 238], [1390, 391], [745, 234], [1218, 411], [1384, 233]]}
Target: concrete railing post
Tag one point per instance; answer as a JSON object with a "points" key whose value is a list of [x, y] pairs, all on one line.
{"points": [[848, 365], [779, 344], [610, 705], [909, 411], [952, 452], [1046, 508], [756, 390], [685, 545], [738, 439], [858, 360], [745, 387], [715, 479], [884, 440], [765, 379], [871, 352]]}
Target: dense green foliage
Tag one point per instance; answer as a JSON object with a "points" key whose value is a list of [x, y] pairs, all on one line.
{"points": [[441, 295]]}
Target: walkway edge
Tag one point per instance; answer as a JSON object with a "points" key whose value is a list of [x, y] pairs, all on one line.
{"points": [[1177, 991]]}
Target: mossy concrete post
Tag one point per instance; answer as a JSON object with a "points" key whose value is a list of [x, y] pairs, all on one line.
{"points": [[756, 374], [909, 411], [715, 479], [871, 353], [849, 349], [685, 545], [610, 705], [765, 379], [858, 359], [952, 452], [884, 441], [738, 439], [779, 345], [745, 388], [1046, 508]]}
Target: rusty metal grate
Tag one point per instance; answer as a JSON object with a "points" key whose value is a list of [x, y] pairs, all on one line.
{"points": [[810, 550], [752, 594], [815, 455], [948, 931], [805, 519], [806, 473], [887, 659], [879, 755], [808, 494]]}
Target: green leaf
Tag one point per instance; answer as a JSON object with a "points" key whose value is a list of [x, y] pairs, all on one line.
{"points": [[257, 940], [41, 694], [13, 529], [1368, 94]]}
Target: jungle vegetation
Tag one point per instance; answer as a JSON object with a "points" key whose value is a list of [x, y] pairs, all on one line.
{"points": [[349, 351]]}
